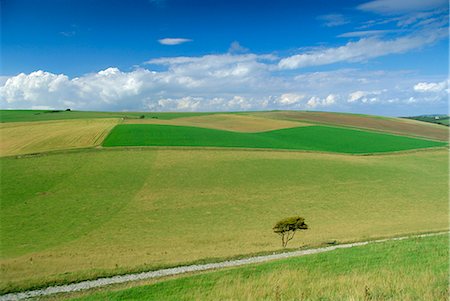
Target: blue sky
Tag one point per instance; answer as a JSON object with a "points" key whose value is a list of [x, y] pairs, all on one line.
{"points": [[387, 57]]}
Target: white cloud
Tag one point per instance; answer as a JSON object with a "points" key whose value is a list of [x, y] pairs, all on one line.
{"points": [[365, 33], [105, 88], [316, 101], [332, 20], [364, 96], [290, 98], [430, 87], [330, 99], [235, 47], [211, 60], [355, 96], [173, 41], [363, 49], [221, 83], [30, 87], [187, 104], [413, 20], [401, 6]]}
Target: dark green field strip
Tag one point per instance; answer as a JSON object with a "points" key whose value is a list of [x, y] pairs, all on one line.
{"points": [[317, 138], [44, 115], [325, 276]]}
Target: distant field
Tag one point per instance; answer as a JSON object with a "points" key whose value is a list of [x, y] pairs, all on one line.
{"points": [[44, 115], [227, 122], [317, 138], [438, 119], [385, 124], [409, 270], [25, 137], [99, 212]]}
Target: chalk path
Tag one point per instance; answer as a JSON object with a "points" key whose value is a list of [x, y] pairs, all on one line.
{"points": [[84, 285]]}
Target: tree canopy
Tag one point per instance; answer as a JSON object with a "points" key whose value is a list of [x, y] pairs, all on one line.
{"points": [[287, 227]]}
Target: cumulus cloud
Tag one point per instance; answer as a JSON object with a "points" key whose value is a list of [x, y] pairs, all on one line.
{"points": [[363, 49], [109, 87], [226, 82], [29, 87], [173, 41], [431, 87], [290, 98], [364, 96]]}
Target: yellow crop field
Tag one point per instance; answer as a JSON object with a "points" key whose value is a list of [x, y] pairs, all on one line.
{"points": [[228, 122], [31, 137]]}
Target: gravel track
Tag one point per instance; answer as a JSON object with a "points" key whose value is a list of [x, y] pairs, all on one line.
{"points": [[84, 285]]}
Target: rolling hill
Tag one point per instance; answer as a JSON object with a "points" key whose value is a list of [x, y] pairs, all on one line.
{"points": [[79, 203]]}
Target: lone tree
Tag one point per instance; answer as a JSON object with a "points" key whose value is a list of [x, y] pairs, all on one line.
{"points": [[286, 228]]}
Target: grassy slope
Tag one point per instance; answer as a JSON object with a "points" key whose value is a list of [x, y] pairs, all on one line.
{"points": [[385, 124], [443, 119], [321, 138], [227, 122], [414, 269], [393, 125], [99, 212], [42, 115], [31, 137]]}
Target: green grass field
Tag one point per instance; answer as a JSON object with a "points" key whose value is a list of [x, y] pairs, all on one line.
{"points": [[399, 126], [43, 115], [316, 138], [81, 214], [437, 119], [408, 270], [91, 213]]}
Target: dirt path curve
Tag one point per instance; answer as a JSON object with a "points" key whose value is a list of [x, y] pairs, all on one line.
{"points": [[84, 285]]}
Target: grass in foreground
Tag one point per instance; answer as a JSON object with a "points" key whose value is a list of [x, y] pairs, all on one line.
{"points": [[31, 137], [68, 217], [317, 138], [413, 269]]}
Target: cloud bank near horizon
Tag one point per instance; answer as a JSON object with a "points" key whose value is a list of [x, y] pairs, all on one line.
{"points": [[224, 83]]}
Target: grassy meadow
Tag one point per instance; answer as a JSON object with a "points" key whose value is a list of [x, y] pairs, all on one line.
{"points": [[45, 115], [408, 270], [227, 122], [437, 119], [315, 138], [100, 212], [87, 211]]}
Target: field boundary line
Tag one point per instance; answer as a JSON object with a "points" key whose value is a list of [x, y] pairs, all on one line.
{"points": [[213, 148], [284, 150], [100, 282]]}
